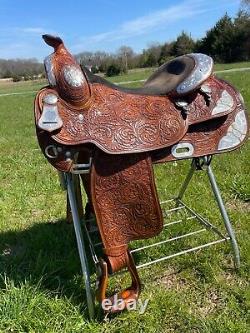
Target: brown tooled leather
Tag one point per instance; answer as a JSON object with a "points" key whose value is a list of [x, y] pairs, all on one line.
{"points": [[61, 58], [206, 136], [127, 208], [60, 162], [130, 294], [200, 107], [123, 189], [119, 123]]}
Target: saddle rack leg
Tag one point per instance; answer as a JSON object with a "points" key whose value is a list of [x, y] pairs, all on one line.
{"points": [[186, 181], [224, 215], [80, 241], [78, 194], [201, 163]]}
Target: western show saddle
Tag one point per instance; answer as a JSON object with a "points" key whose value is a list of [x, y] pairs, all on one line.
{"points": [[182, 111]]}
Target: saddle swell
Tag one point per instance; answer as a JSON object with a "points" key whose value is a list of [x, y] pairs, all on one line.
{"points": [[64, 73], [183, 111]]}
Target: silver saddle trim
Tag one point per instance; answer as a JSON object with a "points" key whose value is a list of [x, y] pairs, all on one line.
{"points": [[50, 119], [202, 70]]}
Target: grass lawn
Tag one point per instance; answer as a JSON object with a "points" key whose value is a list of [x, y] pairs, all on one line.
{"points": [[41, 288]]}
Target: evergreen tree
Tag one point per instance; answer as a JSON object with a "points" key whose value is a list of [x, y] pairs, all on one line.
{"points": [[149, 59], [241, 49], [228, 40], [166, 52], [184, 44], [219, 40]]}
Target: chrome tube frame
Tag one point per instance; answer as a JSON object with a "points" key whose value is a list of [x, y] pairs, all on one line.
{"points": [[80, 243], [204, 164]]}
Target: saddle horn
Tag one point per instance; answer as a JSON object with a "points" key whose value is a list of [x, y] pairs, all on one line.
{"points": [[65, 74], [53, 41]]}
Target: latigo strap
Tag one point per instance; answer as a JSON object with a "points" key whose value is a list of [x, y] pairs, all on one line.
{"points": [[127, 208]]}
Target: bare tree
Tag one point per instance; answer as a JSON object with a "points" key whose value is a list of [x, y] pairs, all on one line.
{"points": [[19, 69], [245, 4], [126, 54]]}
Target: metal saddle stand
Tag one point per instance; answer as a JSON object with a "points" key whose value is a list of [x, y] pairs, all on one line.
{"points": [[71, 183]]}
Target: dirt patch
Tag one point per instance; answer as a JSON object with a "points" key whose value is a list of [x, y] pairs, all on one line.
{"points": [[211, 303], [238, 204], [233, 279], [37, 213], [172, 280]]}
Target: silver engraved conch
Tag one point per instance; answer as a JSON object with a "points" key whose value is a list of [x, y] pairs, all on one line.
{"points": [[50, 119]]}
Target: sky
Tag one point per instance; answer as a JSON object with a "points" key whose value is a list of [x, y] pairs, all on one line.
{"points": [[103, 25]]}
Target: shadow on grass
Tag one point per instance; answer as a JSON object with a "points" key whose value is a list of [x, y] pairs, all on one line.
{"points": [[45, 255]]}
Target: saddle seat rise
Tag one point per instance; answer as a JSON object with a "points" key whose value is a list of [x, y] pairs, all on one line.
{"points": [[182, 111], [163, 81]]}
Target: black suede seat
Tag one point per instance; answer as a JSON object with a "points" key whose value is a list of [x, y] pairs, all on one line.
{"points": [[164, 80], [167, 77]]}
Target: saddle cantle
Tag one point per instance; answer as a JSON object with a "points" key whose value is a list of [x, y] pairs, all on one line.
{"points": [[182, 111]]}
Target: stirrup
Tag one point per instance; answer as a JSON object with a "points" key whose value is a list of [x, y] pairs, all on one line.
{"points": [[119, 301]]}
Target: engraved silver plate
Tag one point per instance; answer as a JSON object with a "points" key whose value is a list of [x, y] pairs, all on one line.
{"points": [[81, 117], [49, 68], [206, 89], [182, 104], [182, 150], [202, 70], [50, 119], [50, 99], [73, 76], [235, 133], [224, 104]]}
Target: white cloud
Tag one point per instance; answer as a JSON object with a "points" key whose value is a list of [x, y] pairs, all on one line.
{"points": [[26, 31], [158, 18], [187, 11], [154, 21], [142, 25], [33, 30]]}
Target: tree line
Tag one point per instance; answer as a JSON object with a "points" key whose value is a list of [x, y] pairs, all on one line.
{"points": [[227, 41], [21, 69]]}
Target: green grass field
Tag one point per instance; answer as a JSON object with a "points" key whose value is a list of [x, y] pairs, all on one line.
{"points": [[41, 288]]}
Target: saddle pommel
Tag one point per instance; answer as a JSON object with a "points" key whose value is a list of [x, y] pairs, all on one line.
{"points": [[65, 74]]}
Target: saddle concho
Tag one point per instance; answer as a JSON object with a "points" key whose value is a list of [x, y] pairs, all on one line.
{"points": [[50, 119], [182, 111]]}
